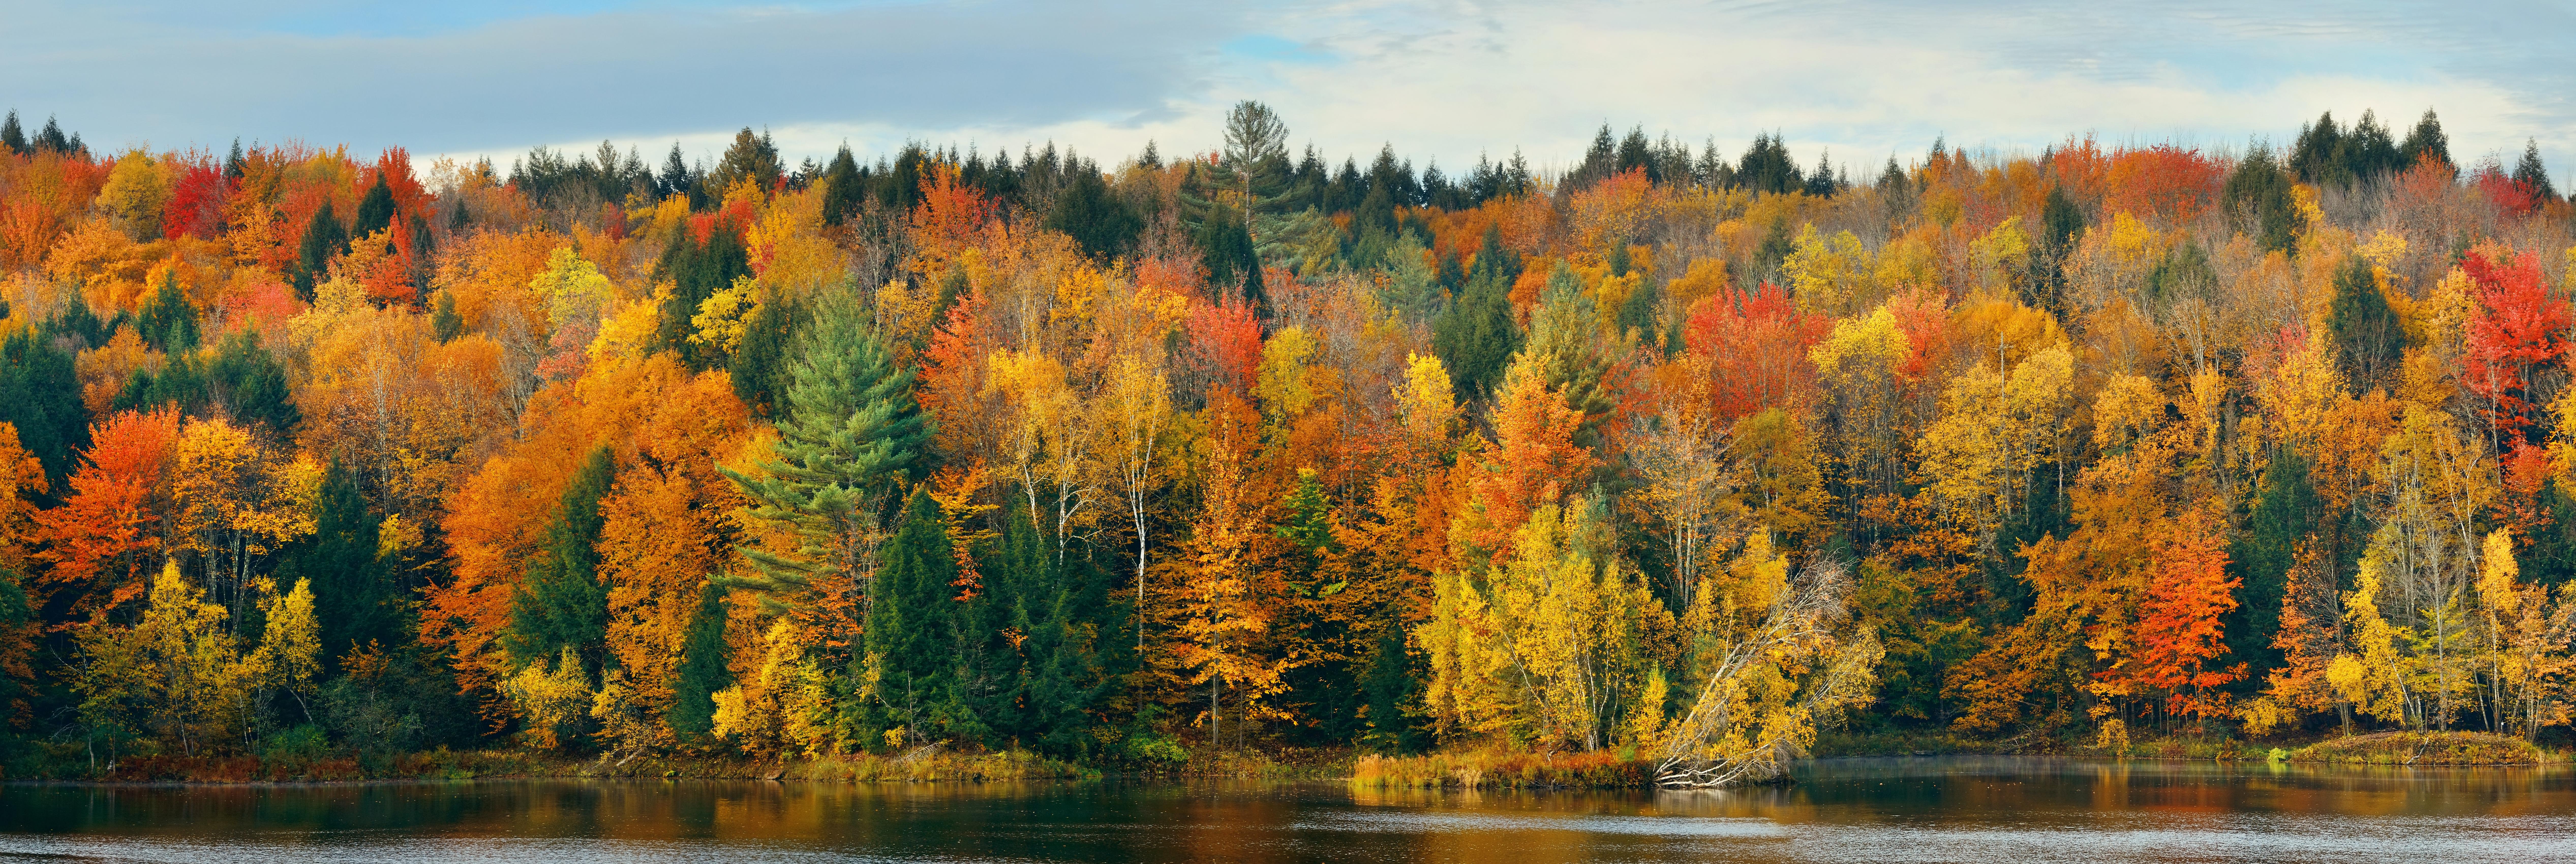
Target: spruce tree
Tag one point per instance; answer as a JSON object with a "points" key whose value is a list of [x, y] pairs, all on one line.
{"points": [[2284, 514], [2426, 140], [1225, 248], [250, 384], [696, 273], [843, 193], [41, 395], [759, 364], [2257, 198], [2533, 176], [561, 602], [324, 239], [354, 596], [1094, 217], [12, 137], [702, 671], [849, 432], [169, 321], [376, 211], [1475, 338], [444, 324], [2368, 341], [909, 649], [1390, 687]]}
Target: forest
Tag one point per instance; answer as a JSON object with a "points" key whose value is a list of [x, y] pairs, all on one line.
{"points": [[1680, 456]]}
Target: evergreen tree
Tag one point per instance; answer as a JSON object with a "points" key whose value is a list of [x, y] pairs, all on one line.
{"points": [[41, 395], [250, 384], [12, 137], [843, 193], [2257, 198], [702, 671], [324, 240], [1391, 687], [1766, 167], [169, 322], [909, 648], [376, 211], [1094, 217], [52, 140], [2061, 224], [752, 157], [1476, 336], [2426, 140], [354, 595], [561, 601], [2368, 341], [2283, 517], [2318, 156], [2533, 176], [849, 431], [1225, 248], [233, 162], [759, 365], [696, 273]]}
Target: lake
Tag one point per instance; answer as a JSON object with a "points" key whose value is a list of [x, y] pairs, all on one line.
{"points": [[2017, 809]]}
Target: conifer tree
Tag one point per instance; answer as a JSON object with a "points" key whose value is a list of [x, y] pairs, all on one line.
{"points": [[702, 671], [2368, 341], [12, 137], [561, 604], [324, 239], [40, 394], [2533, 176], [1225, 248], [2426, 139], [444, 323], [250, 383], [169, 322], [1476, 336], [849, 430], [2257, 199], [376, 211], [1094, 217], [354, 596], [2283, 517], [909, 651], [843, 193]]}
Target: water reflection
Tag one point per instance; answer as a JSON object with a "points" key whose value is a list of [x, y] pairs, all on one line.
{"points": [[1962, 809]]}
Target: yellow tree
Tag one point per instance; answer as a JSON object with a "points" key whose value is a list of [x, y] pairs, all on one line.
{"points": [[1772, 659]]}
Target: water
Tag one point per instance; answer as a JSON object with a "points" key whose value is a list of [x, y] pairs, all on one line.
{"points": [[2016, 809]]}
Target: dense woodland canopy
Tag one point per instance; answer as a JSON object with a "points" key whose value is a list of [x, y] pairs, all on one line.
{"points": [[1676, 453]]}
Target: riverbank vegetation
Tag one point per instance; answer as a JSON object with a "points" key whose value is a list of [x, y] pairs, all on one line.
{"points": [[1660, 467]]}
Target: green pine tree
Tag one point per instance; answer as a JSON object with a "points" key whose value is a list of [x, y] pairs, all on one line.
{"points": [[376, 211], [1476, 336], [561, 601], [2368, 341], [702, 671], [169, 322], [2257, 198], [250, 383], [444, 323], [354, 595], [324, 239], [849, 431], [910, 648], [2283, 517], [41, 395]]}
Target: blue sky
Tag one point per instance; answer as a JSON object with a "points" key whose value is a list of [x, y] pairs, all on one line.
{"points": [[1445, 79]]}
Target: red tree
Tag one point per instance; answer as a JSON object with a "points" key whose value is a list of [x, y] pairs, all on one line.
{"points": [[2516, 327], [1757, 347], [2179, 629]]}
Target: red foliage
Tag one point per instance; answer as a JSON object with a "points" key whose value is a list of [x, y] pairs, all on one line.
{"points": [[98, 538], [2513, 197], [1224, 346], [2165, 181], [2517, 326], [2179, 623], [1757, 343], [196, 205]]}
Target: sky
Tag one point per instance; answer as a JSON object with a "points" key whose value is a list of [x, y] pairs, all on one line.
{"points": [[1443, 80]]}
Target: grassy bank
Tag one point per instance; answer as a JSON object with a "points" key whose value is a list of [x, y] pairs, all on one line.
{"points": [[2425, 748], [1503, 769]]}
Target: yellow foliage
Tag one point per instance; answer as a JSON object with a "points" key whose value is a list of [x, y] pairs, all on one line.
{"points": [[1829, 276]]}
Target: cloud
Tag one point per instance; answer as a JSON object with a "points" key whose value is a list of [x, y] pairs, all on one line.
{"points": [[1444, 79]]}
